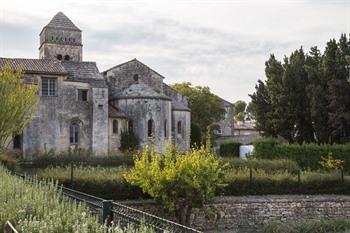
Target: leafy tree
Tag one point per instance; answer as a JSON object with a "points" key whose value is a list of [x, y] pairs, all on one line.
{"points": [[240, 107], [206, 108], [250, 111], [196, 135], [129, 141], [17, 105], [182, 182]]}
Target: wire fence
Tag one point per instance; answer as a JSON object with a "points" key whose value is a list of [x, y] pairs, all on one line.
{"points": [[108, 211]]}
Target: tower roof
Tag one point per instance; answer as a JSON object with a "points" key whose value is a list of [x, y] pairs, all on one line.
{"points": [[61, 21]]}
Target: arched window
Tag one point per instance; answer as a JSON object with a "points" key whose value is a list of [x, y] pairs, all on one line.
{"points": [[165, 129], [136, 77], [74, 133], [17, 142], [115, 126], [150, 128], [179, 127], [59, 57], [67, 58], [130, 126]]}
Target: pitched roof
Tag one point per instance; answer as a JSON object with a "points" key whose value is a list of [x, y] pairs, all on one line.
{"points": [[84, 72], [36, 66], [140, 90], [61, 21], [134, 60]]}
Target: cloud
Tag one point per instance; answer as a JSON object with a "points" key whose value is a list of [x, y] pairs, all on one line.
{"points": [[220, 44]]}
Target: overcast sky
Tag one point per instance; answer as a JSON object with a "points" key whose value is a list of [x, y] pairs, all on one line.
{"points": [[220, 44]]}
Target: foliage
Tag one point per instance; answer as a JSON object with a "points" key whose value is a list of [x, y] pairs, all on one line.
{"points": [[283, 182], [206, 108], [129, 141], [182, 182], [230, 148], [196, 135], [329, 163], [107, 183], [18, 102], [306, 98], [307, 156], [240, 107], [37, 206], [64, 159], [9, 162], [309, 226], [267, 165]]}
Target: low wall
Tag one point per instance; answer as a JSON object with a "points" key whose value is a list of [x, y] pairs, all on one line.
{"points": [[249, 213]]}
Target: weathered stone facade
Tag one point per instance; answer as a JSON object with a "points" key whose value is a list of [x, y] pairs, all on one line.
{"points": [[81, 108], [250, 213]]}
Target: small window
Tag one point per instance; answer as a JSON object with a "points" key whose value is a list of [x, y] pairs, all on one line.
{"points": [[179, 127], [136, 77], [130, 126], [150, 128], [165, 128], [74, 133], [82, 95], [17, 142], [48, 87], [115, 127], [59, 57], [67, 58]]}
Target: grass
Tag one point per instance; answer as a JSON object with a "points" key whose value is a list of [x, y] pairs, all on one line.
{"points": [[309, 226], [38, 206]]}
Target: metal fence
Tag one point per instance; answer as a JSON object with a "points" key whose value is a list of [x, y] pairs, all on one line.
{"points": [[108, 211]]}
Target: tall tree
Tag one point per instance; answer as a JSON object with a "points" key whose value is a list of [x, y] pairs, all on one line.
{"points": [[240, 107], [206, 108], [261, 103], [317, 90], [17, 105]]}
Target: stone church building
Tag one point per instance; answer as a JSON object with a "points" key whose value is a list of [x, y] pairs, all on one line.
{"points": [[80, 107]]}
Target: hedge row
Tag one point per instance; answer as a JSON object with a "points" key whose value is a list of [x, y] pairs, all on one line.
{"points": [[112, 185], [230, 148], [65, 159], [307, 156]]}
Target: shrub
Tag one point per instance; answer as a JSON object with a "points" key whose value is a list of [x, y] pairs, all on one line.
{"points": [[9, 162], [129, 141], [230, 148], [182, 182], [267, 165], [107, 183], [37, 206], [283, 182], [308, 226], [308, 156], [65, 159]]}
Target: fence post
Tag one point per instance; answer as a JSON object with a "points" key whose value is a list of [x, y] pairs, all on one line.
{"points": [[250, 176], [71, 174], [107, 213]]}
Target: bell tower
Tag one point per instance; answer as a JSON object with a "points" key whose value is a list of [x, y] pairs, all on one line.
{"points": [[60, 39]]}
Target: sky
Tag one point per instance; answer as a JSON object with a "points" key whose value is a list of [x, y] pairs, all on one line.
{"points": [[219, 44]]}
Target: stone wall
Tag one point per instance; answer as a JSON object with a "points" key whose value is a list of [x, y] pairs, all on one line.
{"points": [[249, 213]]}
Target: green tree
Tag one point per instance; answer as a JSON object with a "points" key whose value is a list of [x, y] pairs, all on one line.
{"points": [[250, 111], [182, 182], [206, 108], [240, 107], [196, 135], [317, 91], [17, 105]]}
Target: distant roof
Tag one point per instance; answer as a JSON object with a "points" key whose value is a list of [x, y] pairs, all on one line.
{"points": [[36, 66], [133, 60], [115, 112], [179, 106], [140, 90], [61, 21]]}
